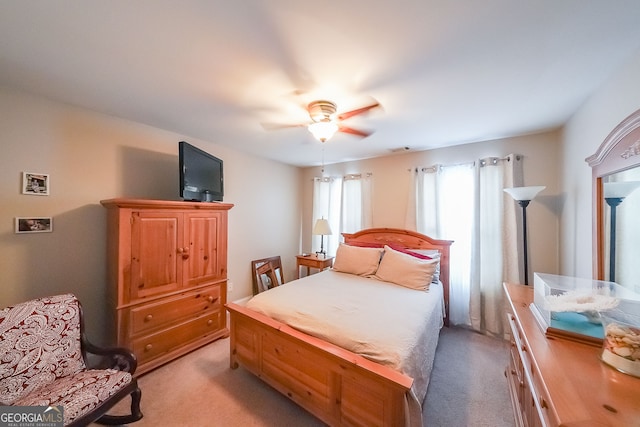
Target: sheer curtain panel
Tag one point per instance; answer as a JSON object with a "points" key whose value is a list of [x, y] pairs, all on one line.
{"points": [[326, 204], [356, 203], [466, 203]]}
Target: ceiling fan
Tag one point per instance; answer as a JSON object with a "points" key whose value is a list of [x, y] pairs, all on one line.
{"points": [[325, 121]]}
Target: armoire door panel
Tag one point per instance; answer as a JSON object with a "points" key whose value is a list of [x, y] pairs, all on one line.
{"points": [[205, 239], [156, 264]]}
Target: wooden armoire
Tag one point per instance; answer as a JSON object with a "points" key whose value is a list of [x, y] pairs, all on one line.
{"points": [[167, 270]]}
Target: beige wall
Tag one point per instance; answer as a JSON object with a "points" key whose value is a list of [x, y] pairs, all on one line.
{"points": [[583, 134], [91, 157], [391, 187]]}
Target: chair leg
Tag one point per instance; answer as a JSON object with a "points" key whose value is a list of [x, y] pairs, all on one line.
{"points": [[135, 415]]}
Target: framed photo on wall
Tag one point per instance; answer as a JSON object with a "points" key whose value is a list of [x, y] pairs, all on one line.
{"points": [[36, 184], [34, 225]]}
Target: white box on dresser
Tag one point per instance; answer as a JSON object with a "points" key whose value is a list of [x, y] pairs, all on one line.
{"points": [[167, 276]]}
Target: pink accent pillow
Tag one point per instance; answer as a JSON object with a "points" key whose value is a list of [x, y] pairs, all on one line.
{"points": [[410, 252]]}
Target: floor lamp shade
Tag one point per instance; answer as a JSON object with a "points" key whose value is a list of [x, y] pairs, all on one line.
{"points": [[523, 195], [322, 228]]}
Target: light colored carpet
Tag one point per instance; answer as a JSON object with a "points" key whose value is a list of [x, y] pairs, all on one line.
{"points": [[467, 388]]}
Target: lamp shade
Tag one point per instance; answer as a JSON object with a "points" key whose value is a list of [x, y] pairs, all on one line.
{"points": [[323, 130], [620, 189], [322, 228], [524, 193]]}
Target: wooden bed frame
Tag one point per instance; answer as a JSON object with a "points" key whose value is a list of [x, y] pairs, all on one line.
{"points": [[336, 385]]}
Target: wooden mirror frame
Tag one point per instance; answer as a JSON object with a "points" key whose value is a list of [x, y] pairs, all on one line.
{"points": [[619, 151]]}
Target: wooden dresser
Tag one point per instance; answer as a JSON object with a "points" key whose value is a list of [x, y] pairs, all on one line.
{"points": [[557, 382], [168, 276]]}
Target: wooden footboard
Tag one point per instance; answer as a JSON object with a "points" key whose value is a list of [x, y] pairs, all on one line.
{"points": [[337, 386]]}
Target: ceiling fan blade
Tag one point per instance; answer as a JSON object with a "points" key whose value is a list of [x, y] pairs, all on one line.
{"points": [[352, 131], [277, 126], [349, 114]]}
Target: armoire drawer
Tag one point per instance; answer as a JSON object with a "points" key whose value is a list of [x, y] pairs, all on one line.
{"points": [[155, 345], [149, 317]]}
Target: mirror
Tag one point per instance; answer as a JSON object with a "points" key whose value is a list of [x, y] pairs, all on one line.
{"points": [[616, 204], [621, 228]]}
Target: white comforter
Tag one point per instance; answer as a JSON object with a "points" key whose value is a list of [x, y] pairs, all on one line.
{"points": [[384, 322]]}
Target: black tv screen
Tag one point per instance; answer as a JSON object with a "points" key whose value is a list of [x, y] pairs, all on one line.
{"points": [[201, 174]]}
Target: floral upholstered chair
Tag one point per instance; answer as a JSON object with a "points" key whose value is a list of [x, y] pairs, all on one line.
{"points": [[43, 362]]}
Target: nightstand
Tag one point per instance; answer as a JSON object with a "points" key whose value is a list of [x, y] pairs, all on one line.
{"points": [[312, 261]]}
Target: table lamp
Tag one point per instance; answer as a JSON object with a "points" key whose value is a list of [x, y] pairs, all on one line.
{"points": [[322, 228]]}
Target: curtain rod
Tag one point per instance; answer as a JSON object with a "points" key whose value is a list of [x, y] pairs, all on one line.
{"points": [[357, 175], [345, 177], [487, 161]]}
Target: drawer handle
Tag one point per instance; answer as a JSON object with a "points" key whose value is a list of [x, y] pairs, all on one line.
{"points": [[543, 403], [209, 322], [148, 317], [211, 298], [148, 347]]}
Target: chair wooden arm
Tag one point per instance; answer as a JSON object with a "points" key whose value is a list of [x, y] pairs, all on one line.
{"points": [[118, 358]]}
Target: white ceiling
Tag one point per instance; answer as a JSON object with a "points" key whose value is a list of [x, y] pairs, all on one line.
{"points": [[445, 71]]}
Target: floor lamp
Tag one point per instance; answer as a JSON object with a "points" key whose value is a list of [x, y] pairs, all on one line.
{"points": [[523, 195], [614, 194], [321, 228]]}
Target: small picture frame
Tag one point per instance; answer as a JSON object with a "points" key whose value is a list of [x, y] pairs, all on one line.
{"points": [[34, 225], [35, 184]]}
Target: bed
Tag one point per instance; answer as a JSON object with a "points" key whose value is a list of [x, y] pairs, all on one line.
{"points": [[347, 378]]}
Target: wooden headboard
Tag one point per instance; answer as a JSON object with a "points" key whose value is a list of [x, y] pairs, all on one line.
{"points": [[378, 237]]}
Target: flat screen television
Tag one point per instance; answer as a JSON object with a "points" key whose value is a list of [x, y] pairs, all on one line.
{"points": [[201, 174]]}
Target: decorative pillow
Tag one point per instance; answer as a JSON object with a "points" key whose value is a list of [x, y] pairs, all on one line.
{"points": [[405, 270], [429, 254], [418, 253], [357, 260]]}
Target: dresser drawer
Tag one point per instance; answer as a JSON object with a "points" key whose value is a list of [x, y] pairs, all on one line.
{"points": [[152, 316], [155, 345], [541, 402], [516, 374], [517, 342]]}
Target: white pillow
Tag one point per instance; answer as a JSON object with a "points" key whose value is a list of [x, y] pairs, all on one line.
{"points": [[434, 254], [406, 270], [357, 260]]}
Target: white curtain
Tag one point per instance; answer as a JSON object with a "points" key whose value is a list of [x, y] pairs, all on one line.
{"points": [[356, 203], [326, 204], [466, 203]]}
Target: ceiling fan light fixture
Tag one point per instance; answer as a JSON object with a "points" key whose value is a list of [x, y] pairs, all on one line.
{"points": [[322, 111], [323, 130]]}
